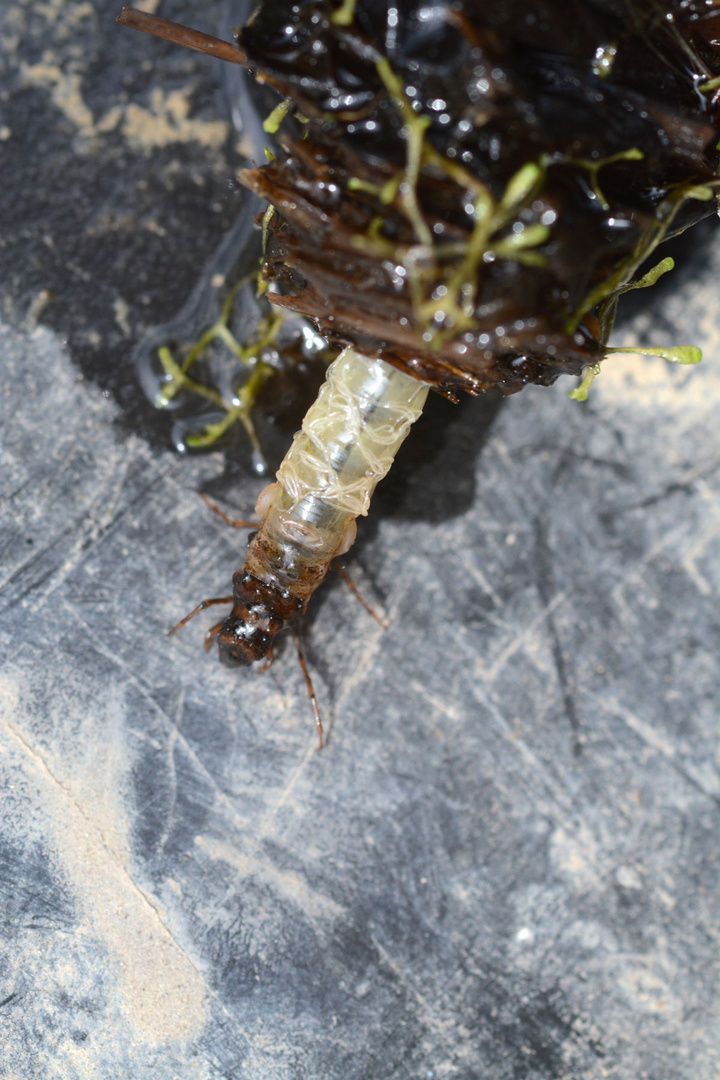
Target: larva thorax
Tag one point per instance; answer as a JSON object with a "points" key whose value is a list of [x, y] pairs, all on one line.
{"points": [[348, 441]]}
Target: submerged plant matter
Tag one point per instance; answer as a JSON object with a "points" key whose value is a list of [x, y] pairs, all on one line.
{"points": [[462, 195], [490, 176]]}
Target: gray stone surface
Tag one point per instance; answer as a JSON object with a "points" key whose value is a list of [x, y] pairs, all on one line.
{"points": [[505, 862]]}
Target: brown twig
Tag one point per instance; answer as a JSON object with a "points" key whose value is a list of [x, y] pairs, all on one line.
{"points": [[182, 35]]}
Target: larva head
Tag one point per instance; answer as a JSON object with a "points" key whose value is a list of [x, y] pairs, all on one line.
{"points": [[259, 613], [240, 642]]}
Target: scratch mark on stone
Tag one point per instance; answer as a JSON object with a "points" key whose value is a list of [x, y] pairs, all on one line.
{"points": [[287, 791], [634, 576], [685, 485], [489, 674], [653, 739], [171, 722], [544, 585], [437, 703], [93, 827], [363, 667], [267, 824], [473, 570], [695, 552], [430, 1013], [559, 800], [165, 999], [247, 858], [170, 753], [91, 528], [249, 865]]}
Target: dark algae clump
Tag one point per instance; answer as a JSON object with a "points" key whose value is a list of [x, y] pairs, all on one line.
{"points": [[466, 189]]}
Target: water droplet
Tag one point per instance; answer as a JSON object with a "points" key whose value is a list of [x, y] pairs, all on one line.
{"points": [[259, 464]]}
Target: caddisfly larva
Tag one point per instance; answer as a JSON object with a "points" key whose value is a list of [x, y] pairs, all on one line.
{"points": [[347, 443]]}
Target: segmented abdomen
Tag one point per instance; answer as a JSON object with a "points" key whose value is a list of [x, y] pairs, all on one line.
{"points": [[348, 441]]}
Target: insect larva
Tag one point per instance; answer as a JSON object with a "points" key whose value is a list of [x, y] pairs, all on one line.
{"points": [[348, 441]]}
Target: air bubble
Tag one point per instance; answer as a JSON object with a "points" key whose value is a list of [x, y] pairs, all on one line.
{"points": [[259, 464]]}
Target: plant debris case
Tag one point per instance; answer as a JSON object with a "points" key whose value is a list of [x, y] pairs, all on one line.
{"points": [[473, 187], [505, 862]]}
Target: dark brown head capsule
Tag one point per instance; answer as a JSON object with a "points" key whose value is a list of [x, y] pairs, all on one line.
{"points": [[259, 613]]}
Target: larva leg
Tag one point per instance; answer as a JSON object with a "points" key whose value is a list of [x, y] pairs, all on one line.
{"points": [[310, 688], [236, 523], [267, 662], [196, 611], [212, 634], [358, 595]]}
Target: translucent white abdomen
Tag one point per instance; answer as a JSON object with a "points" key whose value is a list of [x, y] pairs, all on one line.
{"points": [[347, 443]]}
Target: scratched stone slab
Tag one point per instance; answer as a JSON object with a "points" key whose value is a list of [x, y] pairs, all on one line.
{"points": [[505, 861]]}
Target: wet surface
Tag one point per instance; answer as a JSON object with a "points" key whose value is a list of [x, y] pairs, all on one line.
{"points": [[505, 861]]}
